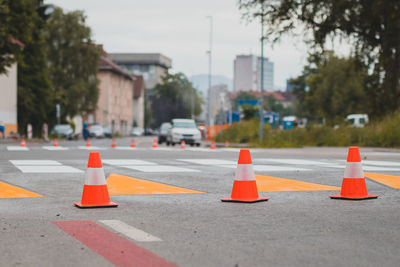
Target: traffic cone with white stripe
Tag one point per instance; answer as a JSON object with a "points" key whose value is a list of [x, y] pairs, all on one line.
{"points": [[133, 143], [226, 144], [95, 192], [114, 144], [155, 143], [55, 142], [353, 185], [88, 143], [23, 144], [213, 145], [183, 145], [244, 186]]}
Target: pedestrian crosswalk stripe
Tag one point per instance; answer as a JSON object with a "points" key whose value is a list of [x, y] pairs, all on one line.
{"points": [[158, 168], [35, 162], [43, 166], [48, 169], [294, 161], [209, 161], [381, 163], [17, 148], [55, 148], [124, 185], [11, 191], [92, 148], [270, 184], [120, 162], [389, 180]]}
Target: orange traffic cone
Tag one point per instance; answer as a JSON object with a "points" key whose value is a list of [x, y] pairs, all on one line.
{"points": [[133, 143], [113, 143], [88, 143], [55, 143], [212, 145], [353, 185], [23, 144], [183, 146], [244, 186], [226, 143], [95, 192], [155, 143]]}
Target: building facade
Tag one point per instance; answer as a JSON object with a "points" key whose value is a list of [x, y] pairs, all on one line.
{"points": [[8, 99], [152, 66], [116, 88], [247, 73]]}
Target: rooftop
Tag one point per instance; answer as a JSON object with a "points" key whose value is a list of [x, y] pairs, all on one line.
{"points": [[141, 59]]}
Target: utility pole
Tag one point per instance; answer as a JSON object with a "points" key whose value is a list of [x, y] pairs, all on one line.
{"points": [[209, 119], [261, 100]]}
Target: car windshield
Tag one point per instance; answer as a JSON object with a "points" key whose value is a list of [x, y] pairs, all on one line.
{"points": [[165, 126], [96, 127], [184, 124], [62, 127]]}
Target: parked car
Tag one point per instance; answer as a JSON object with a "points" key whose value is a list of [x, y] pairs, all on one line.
{"points": [[65, 131], [96, 131], [357, 120], [162, 134], [107, 131], [183, 129], [137, 131]]}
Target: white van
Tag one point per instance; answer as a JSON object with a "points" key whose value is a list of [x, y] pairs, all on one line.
{"points": [[357, 120]]}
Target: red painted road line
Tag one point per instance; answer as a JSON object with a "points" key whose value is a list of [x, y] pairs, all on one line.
{"points": [[114, 248]]}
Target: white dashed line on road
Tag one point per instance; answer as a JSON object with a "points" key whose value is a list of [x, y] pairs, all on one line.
{"points": [[130, 231]]}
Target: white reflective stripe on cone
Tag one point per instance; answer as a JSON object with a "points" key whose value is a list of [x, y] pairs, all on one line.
{"points": [[95, 176], [244, 172], [353, 170]]}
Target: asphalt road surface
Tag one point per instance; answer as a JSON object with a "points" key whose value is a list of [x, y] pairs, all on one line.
{"points": [[170, 211]]}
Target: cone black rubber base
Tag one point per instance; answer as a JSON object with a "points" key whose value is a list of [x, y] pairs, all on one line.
{"points": [[110, 205], [260, 199], [354, 198]]}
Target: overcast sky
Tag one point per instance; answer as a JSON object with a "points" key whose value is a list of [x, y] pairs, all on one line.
{"points": [[179, 29]]}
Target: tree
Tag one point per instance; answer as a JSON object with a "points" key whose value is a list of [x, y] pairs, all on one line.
{"points": [[372, 26], [73, 63], [175, 97], [332, 88], [21, 23], [249, 111]]}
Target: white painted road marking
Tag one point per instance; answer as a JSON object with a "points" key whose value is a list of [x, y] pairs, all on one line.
{"points": [[17, 148], [210, 161], [130, 231], [159, 168], [294, 162], [120, 162], [43, 166], [36, 162], [92, 148], [48, 169], [381, 163], [55, 148]]}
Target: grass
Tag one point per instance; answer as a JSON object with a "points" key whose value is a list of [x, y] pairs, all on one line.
{"points": [[383, 133]]}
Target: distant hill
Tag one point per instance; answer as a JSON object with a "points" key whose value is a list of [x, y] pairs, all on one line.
{"points": [[200, 81]]}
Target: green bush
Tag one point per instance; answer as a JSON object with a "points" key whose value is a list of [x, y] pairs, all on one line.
{"points": [[383, 133]]}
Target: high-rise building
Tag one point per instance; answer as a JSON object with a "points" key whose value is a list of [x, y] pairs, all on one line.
{"points": [[247, 73]]}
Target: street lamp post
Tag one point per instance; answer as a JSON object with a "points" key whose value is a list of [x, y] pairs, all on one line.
{"points": [[262, 79], [209, 73]]}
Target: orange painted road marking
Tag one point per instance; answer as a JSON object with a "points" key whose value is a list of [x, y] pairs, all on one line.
{"points": [[10, 191], [389, 180], [125, 185], [270, 184]]}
